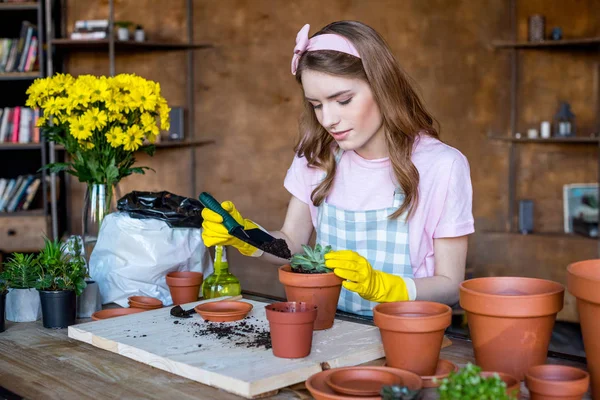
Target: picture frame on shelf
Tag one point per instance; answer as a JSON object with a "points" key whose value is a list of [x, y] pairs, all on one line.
{"points": [[580, 207]]}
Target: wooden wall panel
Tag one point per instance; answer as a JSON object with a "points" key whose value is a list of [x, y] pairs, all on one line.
{"points": [[248, 101]]}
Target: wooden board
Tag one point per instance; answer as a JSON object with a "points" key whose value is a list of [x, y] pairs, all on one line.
{"points": [[153, 338]]}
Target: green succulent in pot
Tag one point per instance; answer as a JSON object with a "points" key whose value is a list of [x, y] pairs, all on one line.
{"points": [[468, 384], [20, 271], [311, 261], [397, 392], [61, 267]]}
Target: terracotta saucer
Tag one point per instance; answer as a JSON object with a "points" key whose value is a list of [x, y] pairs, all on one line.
{"points": [[320, 390], [145, 301], [223, 311], [443, 369], [361, 381], [144, 307], [115, 312]]}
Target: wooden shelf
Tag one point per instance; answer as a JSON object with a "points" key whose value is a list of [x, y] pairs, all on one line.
{"points": [[551, 140], [27, 5], [548, 44], [544, 235], [130, 45], [178, 144], [20, 146], [16, 76], [28, 213]]}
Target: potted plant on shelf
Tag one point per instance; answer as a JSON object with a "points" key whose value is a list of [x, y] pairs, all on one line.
{"points": [[123, 29], [101, 122], [22, 300], [469, 383], [307, 279], [62, 276]]}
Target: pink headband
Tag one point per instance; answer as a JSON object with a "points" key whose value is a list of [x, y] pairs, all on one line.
{"points": [[320, 42]]}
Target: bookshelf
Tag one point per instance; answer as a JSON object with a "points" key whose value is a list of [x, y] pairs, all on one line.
{"points": [[59, 46], [20, 153]]}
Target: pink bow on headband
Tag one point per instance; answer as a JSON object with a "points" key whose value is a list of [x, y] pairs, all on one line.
{"points": [[327, 41]]}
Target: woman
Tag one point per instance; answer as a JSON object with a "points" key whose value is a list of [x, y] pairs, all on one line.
{"points": [[370, 176]]}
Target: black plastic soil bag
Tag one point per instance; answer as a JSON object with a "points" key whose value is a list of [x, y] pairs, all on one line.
{"points": [[176, 211]]}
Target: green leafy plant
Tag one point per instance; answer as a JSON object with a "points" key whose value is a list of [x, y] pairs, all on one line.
{"points": [[61, 267], [397, 392], [467, 384], [3, 287], [20, 271], [312, 261]]}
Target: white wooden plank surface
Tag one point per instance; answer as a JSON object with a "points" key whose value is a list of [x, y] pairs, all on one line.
{"points": [[247, 372]]}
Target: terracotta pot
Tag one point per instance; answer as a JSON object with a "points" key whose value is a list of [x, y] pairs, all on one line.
{"points": [[412, 333], [547, 382], [291, 326], [184, 286], [323, 290], [583, 281], [513, 385], [510, 321]]}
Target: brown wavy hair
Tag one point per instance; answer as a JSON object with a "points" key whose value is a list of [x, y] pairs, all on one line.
{"points": [[403, 113]]}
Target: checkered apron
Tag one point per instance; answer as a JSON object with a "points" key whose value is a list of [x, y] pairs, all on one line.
{"points": [[382, 241]]}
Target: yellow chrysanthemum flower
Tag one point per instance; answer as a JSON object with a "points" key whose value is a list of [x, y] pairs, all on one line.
{"points": [[60, 83], [86, 145], [133, 138], [41, 122], [115, 136], [100, 90], [143, 98], [79, 96], [95, 118], [79, 128]]}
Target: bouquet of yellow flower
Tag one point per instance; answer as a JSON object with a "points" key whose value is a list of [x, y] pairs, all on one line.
{"points": [[101, 121]]}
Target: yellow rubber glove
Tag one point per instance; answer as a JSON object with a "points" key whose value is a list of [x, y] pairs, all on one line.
{"points": [[361, 278], [214, 233]]}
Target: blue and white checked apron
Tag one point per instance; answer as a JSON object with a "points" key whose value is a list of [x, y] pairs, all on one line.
{"points": [[382, 241]]}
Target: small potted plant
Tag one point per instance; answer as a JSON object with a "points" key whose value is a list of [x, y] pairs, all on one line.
{"points": [[22, 300], [307, 279], [123, 29], [3, 291], [469, 383], [398, 392], [61, 279]]}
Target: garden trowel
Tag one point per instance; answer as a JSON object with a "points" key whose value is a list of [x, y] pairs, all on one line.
{"points": [[255, 237]]}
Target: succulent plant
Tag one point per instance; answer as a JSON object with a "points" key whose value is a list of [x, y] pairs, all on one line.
{"points": [[397, 392], [312, 260], [467, 384]]}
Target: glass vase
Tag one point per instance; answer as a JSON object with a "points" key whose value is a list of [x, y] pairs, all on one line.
{"points": [[100, 200]]}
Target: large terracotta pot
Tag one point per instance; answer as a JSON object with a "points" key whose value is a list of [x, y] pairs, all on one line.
{"points": [[184, 286], [412, 333], [323, 290], [291, 325], [548, 382], [510, 321], [583, 281]]}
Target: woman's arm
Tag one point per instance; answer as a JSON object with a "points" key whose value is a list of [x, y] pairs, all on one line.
{"points": [[450, 256], [296, 230]]}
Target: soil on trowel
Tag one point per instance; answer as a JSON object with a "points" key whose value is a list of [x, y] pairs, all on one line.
{"points": [[277, 247]]}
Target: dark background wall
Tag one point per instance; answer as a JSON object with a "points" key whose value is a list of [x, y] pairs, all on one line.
{"points": [[248, 102]]}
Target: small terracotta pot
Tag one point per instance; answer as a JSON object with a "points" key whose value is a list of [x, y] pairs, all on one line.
{"points": [[510, 321], [291, 326], [184, 286], [513, 385], [583, 281], [547, 382], [412, 333], [323, 290]]}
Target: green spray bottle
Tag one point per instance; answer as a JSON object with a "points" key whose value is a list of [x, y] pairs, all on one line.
{"points": [[221, 282]]}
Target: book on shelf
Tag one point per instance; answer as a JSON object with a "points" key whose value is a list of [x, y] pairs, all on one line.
{"points": [[18, 125], [90, 29], [17, 194], [20, 54]]}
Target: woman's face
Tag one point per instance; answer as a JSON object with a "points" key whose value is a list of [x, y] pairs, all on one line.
{"points": [[347, 110]]}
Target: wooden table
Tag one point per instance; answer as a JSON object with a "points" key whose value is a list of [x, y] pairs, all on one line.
{"points": [[41, 363]]}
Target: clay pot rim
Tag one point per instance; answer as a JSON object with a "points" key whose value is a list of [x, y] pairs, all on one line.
{"points": [[310, 307], [560, 288], [331, 278], [447, 310], [571, 267], [191, 278], [114, 313], [555, 386], [145, 301]]}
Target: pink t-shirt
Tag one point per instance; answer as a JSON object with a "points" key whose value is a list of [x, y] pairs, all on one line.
{"points": [[445, 194]]}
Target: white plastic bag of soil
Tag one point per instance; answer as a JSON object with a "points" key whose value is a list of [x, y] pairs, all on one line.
{"points": [[133, 256]]}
